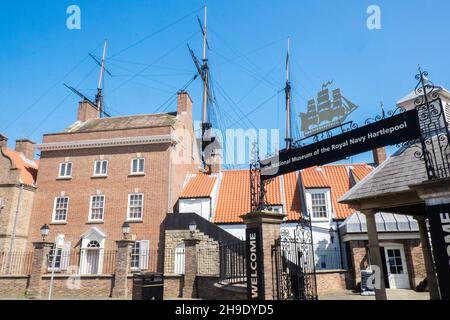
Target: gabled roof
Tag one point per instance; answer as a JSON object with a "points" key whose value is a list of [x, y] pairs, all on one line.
{"points": [[122, 123], [28, 168], [200, 186], [393, 176], [413, 95], [233, 198]]}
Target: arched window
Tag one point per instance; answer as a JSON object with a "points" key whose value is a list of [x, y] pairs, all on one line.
{"points": [[93, 244]]}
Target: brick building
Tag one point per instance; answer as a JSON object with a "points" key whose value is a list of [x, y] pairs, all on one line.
{"points": [[100, 172], [18, 172]]}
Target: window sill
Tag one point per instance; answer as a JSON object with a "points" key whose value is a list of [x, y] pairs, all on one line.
{"points": [[99, 177], [135, 220], [95, 222], [136, 175], [55, 223], [63, 178]]}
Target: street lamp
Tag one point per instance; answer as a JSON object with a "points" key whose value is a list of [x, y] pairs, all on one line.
{"points": [[192, 227], [332, 231], [125, 229], [45, 229]]}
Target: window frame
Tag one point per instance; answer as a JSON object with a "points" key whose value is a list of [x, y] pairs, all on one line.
{"points": [[327, 195], [65, 176], [129, 207], [137, 173], [54, 209], [103, 208], [95, 168]]}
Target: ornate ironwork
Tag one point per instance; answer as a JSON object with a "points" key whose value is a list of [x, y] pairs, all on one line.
{"points": [[294, 265], [435, 135]]}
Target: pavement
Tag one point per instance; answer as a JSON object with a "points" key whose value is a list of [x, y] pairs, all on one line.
{"points": [[391, 295], [331, 295]]}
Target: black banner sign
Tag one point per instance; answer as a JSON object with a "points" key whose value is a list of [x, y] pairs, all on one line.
{"points": [[255, 264], [390, 131], [439, 219]]}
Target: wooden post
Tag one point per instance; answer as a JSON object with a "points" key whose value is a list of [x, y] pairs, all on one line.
{"points": [[375, 254], [426, 249]]}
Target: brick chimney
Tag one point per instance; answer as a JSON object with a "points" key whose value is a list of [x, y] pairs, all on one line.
{"points": [[27, 147], [184, 104], [3, 140], [379, 156], [216, 162], [86, 111]]}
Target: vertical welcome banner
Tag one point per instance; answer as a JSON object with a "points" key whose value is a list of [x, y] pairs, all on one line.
{"points": [[439, 219], [255, 264]]}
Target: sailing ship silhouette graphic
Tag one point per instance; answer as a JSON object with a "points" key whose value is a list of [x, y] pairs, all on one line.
{"points": [[326, 114]]}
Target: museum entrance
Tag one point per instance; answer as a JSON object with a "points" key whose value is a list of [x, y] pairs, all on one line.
{"points": [[422, 126]]}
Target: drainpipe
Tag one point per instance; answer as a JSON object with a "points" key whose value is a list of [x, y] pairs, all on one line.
{"points": [[13, 234]]}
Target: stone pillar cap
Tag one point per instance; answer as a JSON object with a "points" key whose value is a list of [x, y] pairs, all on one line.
{"points": [[268, 216]]}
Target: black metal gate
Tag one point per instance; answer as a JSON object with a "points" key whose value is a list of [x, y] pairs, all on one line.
{"points": [[294, 265]]}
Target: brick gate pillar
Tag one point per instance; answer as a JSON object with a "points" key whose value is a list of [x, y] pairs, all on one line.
{"points": [[190, 267], [38, 268], [268, 223], [123, 262]]}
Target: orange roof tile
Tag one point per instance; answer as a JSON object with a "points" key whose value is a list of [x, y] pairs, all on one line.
{"points": [[339, 180], [292, 196], [234, 192], [314, 178], [234, 196], [200, 186], [361, 171], [28, 169]]}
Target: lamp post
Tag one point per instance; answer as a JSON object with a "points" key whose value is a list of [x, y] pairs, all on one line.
{"points": [[45, 229], [192, 227], [125, 230], [331, 232]]}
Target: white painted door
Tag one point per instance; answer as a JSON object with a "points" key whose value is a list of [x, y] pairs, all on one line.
{"points": [[396, 267]]}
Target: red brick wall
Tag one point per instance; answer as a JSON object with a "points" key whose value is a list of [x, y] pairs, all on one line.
{"points": [[115, 187], [334, 280]]}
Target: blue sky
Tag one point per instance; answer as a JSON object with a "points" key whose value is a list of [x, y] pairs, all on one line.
{"points": [[330, 41]]}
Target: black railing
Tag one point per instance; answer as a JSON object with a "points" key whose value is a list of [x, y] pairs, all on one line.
{"points": [[233, 269]]}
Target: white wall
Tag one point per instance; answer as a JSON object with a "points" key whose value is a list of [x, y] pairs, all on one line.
{"points": [[202, 207], [237, 230]]}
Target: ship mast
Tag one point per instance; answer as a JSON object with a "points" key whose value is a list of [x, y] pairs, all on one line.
{"points": [[206, 126], [99, 95], [287, 91]]}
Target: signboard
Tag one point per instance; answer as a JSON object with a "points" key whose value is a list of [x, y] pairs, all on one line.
{"points": [[439, 219], [390, 131], [255, 264]]}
